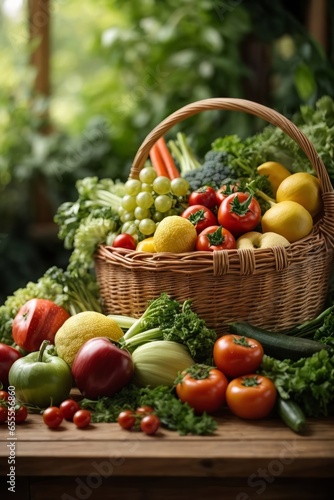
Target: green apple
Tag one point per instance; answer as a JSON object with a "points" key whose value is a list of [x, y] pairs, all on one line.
{"points": [[254, 239]]}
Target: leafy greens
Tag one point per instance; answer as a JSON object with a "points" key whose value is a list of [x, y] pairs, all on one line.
{"points": [[167, 319], [174, 414], [309, 381]]}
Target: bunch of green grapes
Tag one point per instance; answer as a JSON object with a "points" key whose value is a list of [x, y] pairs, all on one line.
{"points": [[150, 199]]}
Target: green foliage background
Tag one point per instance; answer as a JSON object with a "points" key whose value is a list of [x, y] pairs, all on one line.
{"points": [[118, 68]]}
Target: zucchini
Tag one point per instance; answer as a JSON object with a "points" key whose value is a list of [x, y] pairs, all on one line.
{"points": [[279, 345], [291, 414]]}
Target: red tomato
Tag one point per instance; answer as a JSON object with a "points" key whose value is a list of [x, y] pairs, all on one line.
{"points": [[215, 238], [68, 408], [125, 240], [150, 424], [236, 355], [100, 368], [205, 195], [144, 410], [203, 388], [239, 212], [37, 320], [53, 417], [4, 396], [200, 216], [82, 418], [251, 396], [126, 419], [7, 357], [3, 414], [225, 191], [21, 414]]}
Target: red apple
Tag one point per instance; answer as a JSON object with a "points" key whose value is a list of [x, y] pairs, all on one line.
{"points": [[100, 368], [8, 355], [37, 320]]}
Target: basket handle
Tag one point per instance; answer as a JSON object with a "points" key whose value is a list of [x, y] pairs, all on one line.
{"points": [[326, 224], [233, 104]]}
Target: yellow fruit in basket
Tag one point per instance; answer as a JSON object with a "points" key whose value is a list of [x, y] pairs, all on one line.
{"points": [[146, 245], [255, 239], [275, 171], [81, 327], [302, 188], [175, 234], [288, 218]]}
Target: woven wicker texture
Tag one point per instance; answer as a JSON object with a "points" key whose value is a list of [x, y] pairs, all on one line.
{"points": [[273, 288]]}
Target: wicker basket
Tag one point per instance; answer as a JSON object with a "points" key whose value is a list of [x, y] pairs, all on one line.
{"points": [[273, 288]]}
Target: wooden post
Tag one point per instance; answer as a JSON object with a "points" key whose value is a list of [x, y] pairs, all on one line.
{"points": [[39, 34], [317, 21], [39, 29]]}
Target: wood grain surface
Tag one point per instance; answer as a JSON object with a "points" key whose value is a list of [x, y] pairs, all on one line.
{"points": [[242, 460]]}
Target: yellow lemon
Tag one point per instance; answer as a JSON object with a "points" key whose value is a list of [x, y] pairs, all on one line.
{"points": [[289, 219], [146, 245], [81, 327], [275, 171], [175, 234], [302, 188]]}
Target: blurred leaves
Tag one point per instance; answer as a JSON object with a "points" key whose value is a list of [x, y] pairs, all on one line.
{"points": [[118, 69], [160, 56]]}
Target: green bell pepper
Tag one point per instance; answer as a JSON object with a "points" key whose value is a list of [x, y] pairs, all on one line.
{"points": [[41, 378]]}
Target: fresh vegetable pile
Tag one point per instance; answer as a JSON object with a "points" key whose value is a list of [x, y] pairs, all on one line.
{"points": [[167, 369]]}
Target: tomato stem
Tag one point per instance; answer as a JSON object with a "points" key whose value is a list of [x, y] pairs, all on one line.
{"points": [[242, 341], [250, 381], [241, 207], [216, 238], [198, 371], [197, 217]]}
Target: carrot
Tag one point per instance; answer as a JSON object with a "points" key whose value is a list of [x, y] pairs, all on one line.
{"points": [[167, 158], [157, 162]]}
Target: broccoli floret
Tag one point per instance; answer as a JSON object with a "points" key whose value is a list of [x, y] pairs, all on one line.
{"points": [[215, 171]]}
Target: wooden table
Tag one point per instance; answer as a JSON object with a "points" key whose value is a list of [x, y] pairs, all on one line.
{"points": [[244, 460]]}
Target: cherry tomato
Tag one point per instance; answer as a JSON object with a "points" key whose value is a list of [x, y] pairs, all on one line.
{"points": [[53, 417], [251, 396], [68, 408], [225, 191], [215, 238], [21, 414], [239, 213], [205, 195], [200, 216], [82, 418], [3, 414], [150, 424], [125, 240], [236, 355], [144, 410], [126, 419], [4, 396], [203, 388]]}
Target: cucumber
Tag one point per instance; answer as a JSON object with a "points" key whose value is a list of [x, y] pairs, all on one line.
{"points": [[291, 414], [279, 345]]}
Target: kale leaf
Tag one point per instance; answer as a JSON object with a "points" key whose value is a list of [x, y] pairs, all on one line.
{"points": [[309, 381]]}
